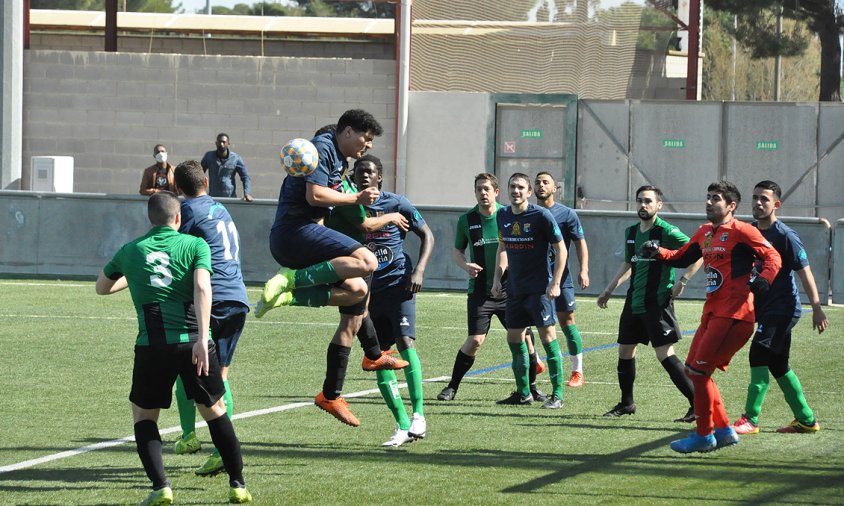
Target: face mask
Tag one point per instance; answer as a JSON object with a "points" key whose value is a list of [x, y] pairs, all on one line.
{"points": [[161, 157]]}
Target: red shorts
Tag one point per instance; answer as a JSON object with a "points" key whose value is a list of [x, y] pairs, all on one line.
{"points": [[716, 341]]}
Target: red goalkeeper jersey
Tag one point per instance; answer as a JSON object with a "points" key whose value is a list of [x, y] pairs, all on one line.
{"points": [[729, 252]]}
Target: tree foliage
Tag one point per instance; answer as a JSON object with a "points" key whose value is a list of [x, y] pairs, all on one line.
{"points": [[757, 31]]}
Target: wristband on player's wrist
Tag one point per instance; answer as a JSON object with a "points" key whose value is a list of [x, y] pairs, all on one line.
{"points": [[684, 280]]}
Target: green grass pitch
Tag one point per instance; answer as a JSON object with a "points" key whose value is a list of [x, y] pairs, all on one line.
{"points": [[66, 360]]}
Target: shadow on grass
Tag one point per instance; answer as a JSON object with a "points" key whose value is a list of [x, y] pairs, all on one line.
{"points": [[782, 480]]}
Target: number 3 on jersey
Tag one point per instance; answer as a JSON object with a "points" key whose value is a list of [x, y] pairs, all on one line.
{"points": [[160, 262]]}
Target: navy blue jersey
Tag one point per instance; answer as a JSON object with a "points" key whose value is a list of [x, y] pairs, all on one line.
{"points": [[387, 243], [292, 204], [206, 218], [783, 298], [526, 239], [570, 227]]}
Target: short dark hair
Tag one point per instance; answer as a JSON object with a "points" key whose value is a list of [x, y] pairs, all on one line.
{"points": [[162, 207], [486, 176], [520, 175], [727, 189], [360, 121], [770, 185], [223, 134], [374, 160], [155, 148], [650, 188], [189, 177], [326, 129]]}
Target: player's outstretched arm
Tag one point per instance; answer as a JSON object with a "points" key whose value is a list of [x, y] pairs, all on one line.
{"points": [[375, 223], [807, 279], [106, 286], [202, 308], [620, 277], [680, 285]]}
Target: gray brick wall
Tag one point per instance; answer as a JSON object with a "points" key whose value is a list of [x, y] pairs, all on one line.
{"points": [[108, 110]]}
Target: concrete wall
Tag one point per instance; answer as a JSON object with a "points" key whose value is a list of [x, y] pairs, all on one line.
{"points": [[61, 235], [837, 270], [243, 46], [683, 146], [108, 110]]}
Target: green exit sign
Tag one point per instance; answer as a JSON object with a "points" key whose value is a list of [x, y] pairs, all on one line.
{"points": [[674, 143], [767, 145], [531, 134]]}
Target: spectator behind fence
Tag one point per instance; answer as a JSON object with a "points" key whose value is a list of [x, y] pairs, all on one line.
{"points": [[222, 165], [159, 176]]}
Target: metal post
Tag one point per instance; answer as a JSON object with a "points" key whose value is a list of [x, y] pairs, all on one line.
{"points": [[111, 26], [694, 49], [778, 59]]}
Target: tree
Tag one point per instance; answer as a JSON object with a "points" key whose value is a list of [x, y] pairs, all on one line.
{"points": [[756, 30]]}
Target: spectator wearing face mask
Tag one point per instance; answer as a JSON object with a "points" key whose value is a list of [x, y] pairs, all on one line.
{"points": [[158, 177]]}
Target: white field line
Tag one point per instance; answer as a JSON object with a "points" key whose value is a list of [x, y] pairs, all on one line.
{"points": [[170, 430]]}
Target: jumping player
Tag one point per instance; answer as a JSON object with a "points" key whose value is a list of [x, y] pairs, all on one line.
{"points": [[648, 314], [729, 249], [526, 232], [169, 277], [392, 304], [565, 304], [321, 266], [777, 312]]}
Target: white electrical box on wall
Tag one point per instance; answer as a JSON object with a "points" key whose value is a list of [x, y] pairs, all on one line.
{"points": [[51, 174]]}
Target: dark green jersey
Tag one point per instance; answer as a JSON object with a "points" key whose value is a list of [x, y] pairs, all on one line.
{"points": [[481, 234], [651, 281], [347, 219], [159, 270]]}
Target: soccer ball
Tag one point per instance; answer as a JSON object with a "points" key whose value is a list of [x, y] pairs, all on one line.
{"points": [[299, 157]]}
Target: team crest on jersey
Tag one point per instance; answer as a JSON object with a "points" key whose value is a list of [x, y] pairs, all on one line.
{"points": [[382, 253], [517, 228], [724, 237], [714, 279]]}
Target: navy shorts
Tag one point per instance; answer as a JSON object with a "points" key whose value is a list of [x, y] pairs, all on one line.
{"points": [[155, 371], [393, 312], [480, 309], [565, 302], [774, 333], [657, 326], [528, 310], [298, 245], [227, 321]]}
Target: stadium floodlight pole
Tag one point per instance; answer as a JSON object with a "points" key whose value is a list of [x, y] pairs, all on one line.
{"points": [[208, 7], [694, 48]]}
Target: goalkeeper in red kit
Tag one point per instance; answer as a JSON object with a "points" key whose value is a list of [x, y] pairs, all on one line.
{"points": [[730, 249]]}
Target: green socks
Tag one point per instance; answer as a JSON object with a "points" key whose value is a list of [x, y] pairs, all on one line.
{"points": [[520, 366], [756, 390], [187, 409], [793, 392], [389, 388], [573, 340], [314, 275], [413, 375], [555, 366], [313, 296]]}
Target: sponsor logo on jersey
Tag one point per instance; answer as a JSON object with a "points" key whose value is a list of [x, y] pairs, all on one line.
{"points": [[714, 279], [474, 227], [481, 242], [404, 322], [382, 253]]}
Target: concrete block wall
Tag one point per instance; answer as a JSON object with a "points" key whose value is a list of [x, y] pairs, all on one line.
{"points": [[375, 49], [108, 110]]}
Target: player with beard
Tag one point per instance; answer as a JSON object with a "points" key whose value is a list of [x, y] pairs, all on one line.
{"points": [[777, 312], [565, 304], [648, 314]]}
